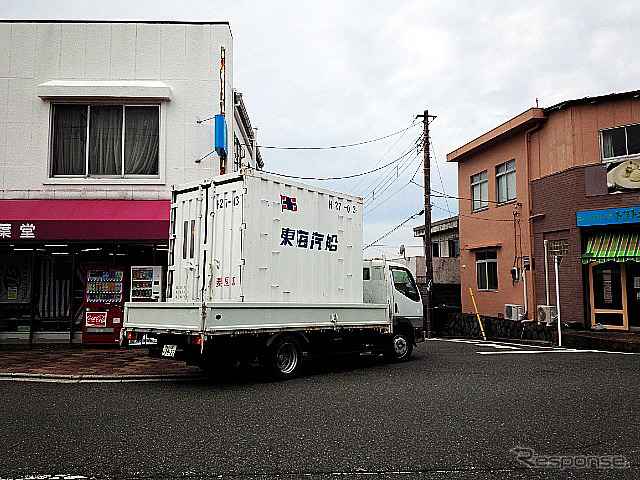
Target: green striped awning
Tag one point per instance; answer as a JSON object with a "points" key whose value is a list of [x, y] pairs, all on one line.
{"points": [[612, 247]]}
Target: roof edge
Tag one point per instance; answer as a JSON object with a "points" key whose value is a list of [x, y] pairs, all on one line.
{"points": [[527, 118]]}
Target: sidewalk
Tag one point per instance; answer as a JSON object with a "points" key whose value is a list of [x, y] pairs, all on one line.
{"points": [[78, 363], [610, 340]]}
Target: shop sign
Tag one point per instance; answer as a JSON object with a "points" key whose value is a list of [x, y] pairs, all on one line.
{"points": [[24, 230], [608, 216], [96, 319]]}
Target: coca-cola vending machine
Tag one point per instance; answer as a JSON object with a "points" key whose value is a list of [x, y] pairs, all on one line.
{"points": [[147, 284], [104, 305]]}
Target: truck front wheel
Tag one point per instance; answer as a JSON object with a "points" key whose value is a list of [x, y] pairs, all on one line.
{"points": [[284, 358], [400, 347]]}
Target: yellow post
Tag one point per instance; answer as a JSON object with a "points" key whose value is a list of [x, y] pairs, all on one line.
{"points": [[484, 337]]}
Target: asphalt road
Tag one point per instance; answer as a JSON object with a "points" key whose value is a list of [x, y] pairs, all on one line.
{"points": [[451, 412]]}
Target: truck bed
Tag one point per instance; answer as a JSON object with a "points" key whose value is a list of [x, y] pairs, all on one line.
{"points": [[234, 317]]}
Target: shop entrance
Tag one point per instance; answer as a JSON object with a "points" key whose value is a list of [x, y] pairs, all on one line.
{"points": [[633, 295], [615, 295]]}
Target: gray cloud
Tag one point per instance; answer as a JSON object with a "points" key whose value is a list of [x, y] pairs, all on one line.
{"points": [[327, 73]]}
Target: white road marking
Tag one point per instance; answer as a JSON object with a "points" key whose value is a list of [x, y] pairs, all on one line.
{"points": [[519, 348]]}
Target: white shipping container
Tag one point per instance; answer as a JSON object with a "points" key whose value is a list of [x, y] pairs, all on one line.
{"points": [[258, 237]]}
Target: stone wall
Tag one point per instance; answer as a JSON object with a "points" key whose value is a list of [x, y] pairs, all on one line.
{"points": [[466, 325]]}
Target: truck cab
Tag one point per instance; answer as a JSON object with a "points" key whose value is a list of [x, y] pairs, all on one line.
{"points": [[393, 284]]}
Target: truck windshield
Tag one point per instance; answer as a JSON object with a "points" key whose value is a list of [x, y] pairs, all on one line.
{"points": [[403, 282]]}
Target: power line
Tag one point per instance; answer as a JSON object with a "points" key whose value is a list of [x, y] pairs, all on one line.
{"points": [[389, 179], [395, 193], [381, 181], [395, 228], [335, 178], [340, 146], [380, 159]]}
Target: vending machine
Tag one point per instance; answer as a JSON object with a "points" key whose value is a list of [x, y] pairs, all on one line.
{"points": [[147, 284], [104, 305]]}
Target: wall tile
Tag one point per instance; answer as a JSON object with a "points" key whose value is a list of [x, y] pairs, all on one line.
{"points": [[18, 149], [22, 50], [48, 47], [72, 50], [123, 61], [98, 46], [198, 53], [21, 99], [173, 52], [148, 59], [5, 53]]}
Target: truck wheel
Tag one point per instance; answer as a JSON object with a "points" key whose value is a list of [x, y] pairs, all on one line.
{"points": [[284, 359], [400, 347]]}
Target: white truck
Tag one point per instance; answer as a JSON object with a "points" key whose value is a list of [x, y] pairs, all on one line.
{"points": [[265, 269]]}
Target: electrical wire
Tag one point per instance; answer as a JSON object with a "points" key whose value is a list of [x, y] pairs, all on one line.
{"points": [[380, 159], [413, 124], [393, 194], [388, 180], [335, 178], [395, 228], [383, 179]]}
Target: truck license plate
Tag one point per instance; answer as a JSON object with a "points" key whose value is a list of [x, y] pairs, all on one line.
{"points": [[169, 350]]}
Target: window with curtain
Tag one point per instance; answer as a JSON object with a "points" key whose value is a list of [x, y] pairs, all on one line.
{"points": [[105, 140], [506, 181], [620, 141], [480, 190]]}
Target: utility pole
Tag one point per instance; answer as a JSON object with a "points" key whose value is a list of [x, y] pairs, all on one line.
{"points": [[428, 269]]}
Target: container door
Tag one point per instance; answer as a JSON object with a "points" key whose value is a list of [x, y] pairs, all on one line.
{"points": [[185, 272]]}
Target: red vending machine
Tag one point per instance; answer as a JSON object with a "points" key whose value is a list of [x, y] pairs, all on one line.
{"points": [[104, 305]]}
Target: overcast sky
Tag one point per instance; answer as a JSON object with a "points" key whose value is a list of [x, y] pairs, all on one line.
{"points": [[329, 73]]}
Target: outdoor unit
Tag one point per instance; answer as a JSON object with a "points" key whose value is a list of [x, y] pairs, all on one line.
{"points": [[547, 313], [513, 312]]}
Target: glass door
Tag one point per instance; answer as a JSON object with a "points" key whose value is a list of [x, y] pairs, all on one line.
{"points": [[633, 295], [608, 295]]}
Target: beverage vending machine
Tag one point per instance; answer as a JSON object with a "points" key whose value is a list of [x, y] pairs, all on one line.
{"points": [[147, 284], [104, 305]]}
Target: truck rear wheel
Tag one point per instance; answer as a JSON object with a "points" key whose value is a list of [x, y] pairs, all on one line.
{"points": [[400, 347], [284, 358]]}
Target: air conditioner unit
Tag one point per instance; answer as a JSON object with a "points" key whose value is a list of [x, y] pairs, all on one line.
{"points": [[513, 312], [547, 313]]}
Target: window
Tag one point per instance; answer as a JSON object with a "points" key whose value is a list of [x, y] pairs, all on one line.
{"points": [[403, 282], [366, 274], [559, 247], [480, 190], [105, 140], [454, 248], [487, 270], [435, 249], [506, 181], [620, 141]]}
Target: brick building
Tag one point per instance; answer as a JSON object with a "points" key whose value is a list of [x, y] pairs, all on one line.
{"points": [[560, 180]]}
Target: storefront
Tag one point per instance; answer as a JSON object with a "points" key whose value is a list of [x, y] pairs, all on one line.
{"points": [[611, 256], [47, 248]]}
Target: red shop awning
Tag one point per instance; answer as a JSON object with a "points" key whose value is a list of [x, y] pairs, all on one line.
{"points": [[24, 220]]}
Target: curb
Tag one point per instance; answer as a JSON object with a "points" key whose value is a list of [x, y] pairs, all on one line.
{"points": [[97, 378]]}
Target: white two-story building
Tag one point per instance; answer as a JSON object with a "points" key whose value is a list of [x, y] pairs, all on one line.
{"points": [[97, 121]]}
